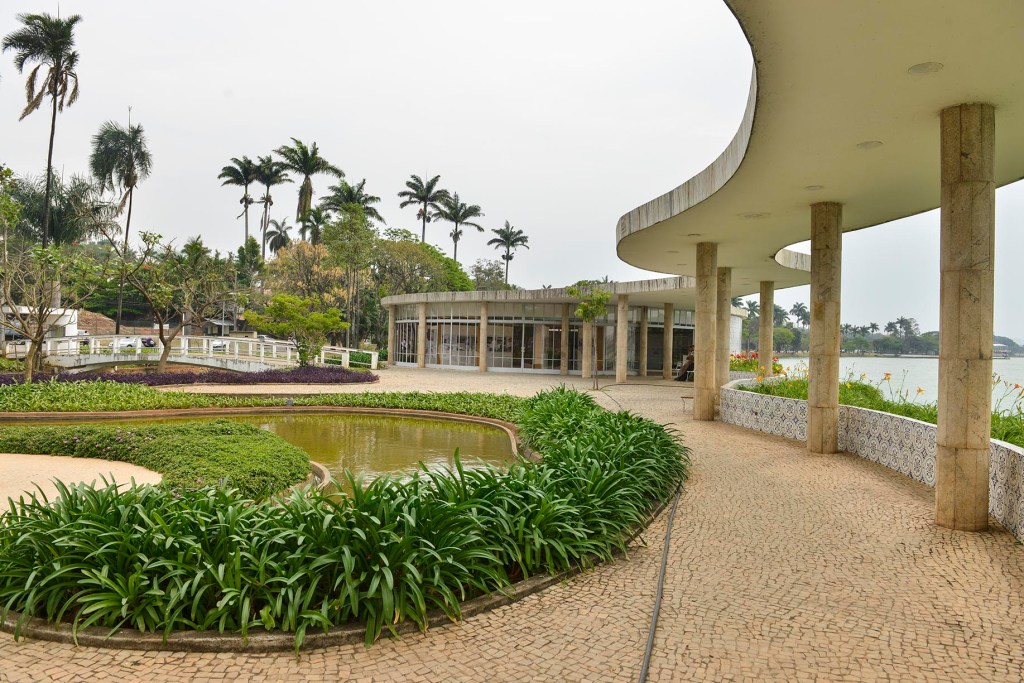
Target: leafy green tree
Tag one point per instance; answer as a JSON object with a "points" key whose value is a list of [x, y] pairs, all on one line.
{"points": [[10, 208], [306, 162], [241, 173], [488, 275], [248, 262], [509, 239], [269, 173], [277, 236], [182, 288], [303, 320], [33, 282], [120, 160], [50, 42], [350, 238], [459, 214], [784, 338], [593, 304], [344, 194], [781, 316], [429, 197]]}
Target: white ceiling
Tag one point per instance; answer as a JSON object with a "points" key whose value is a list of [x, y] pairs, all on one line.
{"points": [[831, 75]]}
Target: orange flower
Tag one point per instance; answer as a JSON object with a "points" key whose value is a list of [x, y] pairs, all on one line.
{"points": [[888, 376], [920, 390]]}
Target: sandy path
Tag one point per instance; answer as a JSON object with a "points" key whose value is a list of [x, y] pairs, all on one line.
{"points": [[20, 473]]}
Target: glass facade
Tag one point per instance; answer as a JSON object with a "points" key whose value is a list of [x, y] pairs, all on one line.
{"points": [[527, 337]]}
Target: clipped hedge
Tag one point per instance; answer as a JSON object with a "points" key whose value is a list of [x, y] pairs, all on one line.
{"points": [[101, 396], [302, 375], [390, 552], [191, 455]]}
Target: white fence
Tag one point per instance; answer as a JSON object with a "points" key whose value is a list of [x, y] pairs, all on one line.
{"points": [[105, 348]]}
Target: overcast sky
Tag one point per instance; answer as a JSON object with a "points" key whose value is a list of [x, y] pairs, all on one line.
{"points": [[558, 117]]}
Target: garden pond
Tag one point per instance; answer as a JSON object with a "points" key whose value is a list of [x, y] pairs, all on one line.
{"points": [[368, 444]]}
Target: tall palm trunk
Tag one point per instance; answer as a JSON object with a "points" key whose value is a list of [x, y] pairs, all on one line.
{"points": [[423, 234], [455, 251], [263, 226], [507, 259], [49, 166], [120, 284], [245, 201]]}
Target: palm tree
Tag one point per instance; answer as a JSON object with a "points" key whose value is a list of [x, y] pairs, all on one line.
{"points": [[454, 211], [307, 162], [509, 239], [269, 172], [753, 308], [343, 194], [800, 313], [50, 42], [892, 328], [873, 328], [313, 225], [277, 235], [241, 173], [119, 160], [428, 195]]}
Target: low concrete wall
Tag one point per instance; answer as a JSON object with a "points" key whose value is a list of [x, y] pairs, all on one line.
{"points": [[899, 443]]}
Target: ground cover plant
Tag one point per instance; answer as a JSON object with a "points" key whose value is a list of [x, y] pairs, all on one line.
{"points": [[1007, 416], [191, 455], [115, 396], [393, 551], [750, 362], [300, 375]]}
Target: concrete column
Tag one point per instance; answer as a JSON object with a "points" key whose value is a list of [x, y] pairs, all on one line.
{"points": [[482, 347], [705, 334], [643, 341], [421, 337], [622, 339], [563, 360], [826, 272], [723, 308], [666, 361], [967, 248], [392, 312], [588, 343], [766, 328]]}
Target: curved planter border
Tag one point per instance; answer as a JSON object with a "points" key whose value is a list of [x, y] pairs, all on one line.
{"points": [[259, 641], [899, 443]]}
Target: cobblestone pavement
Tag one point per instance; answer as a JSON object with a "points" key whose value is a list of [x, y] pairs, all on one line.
{"points": [[783, 566]]}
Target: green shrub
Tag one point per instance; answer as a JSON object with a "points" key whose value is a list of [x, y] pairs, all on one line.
{"points": [[391, 551], [11, 365], [191, 455]]}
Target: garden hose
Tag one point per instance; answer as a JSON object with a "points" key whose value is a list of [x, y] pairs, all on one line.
{"points": [[660, 589]]}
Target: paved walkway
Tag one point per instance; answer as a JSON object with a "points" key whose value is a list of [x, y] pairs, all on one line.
{"points": [[783, 566]]}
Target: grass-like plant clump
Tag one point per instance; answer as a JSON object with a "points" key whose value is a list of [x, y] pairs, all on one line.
{"points": [[114, 396], [1007, 418], [301, 375], [10, 365], [393, 551], [254, 461]]}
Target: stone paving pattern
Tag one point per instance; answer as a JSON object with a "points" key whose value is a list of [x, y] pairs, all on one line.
{"points": [[783, 566]]}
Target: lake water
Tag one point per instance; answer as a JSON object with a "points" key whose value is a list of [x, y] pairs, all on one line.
{"points": [[911, 373]]}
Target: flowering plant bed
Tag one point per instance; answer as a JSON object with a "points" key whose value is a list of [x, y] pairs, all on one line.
{"points": [[750, 362]]}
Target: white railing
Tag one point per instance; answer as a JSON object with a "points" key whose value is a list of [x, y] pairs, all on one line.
{"points": [[140, 346]]}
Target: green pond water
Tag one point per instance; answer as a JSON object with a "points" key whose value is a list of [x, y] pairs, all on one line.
{"points": [[372, 445]]}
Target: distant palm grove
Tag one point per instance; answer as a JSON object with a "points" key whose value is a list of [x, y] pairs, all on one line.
{"points": [[68, 239]]}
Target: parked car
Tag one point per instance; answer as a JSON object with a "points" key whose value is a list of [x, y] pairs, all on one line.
{"points": [[149, 342], [218, 345], [125, 344]]}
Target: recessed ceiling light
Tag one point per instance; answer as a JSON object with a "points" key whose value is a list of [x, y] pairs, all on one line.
{"points": [[869, 144], [751, 215], [680, 264], [814, 188], [925, 68], [694, 234], [672, 251]]}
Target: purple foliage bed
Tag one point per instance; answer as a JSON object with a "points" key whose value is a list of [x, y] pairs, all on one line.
{"points": [[307, 375]]}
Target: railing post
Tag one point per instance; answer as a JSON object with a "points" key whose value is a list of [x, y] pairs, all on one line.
{"points": [[322, 356], [374, 359], [263, 349], [184, 346], [345, 358]]}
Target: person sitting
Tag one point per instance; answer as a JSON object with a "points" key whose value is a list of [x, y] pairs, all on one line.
{"points": [[687, 366]]}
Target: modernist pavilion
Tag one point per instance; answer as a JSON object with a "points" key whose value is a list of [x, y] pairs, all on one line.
{"points": [[859, 113]]}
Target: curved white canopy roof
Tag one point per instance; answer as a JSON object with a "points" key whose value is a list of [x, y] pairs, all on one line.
{"points": [[831, 80]]}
